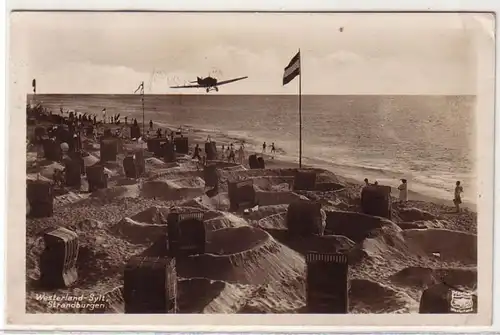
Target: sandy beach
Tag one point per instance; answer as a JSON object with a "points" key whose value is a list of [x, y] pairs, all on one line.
{"points": [[249, 265]]}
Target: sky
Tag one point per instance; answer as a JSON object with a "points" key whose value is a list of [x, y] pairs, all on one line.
{"points": [[374, 54]]}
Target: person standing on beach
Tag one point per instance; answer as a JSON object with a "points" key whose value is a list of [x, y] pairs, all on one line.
{"points": [[241, 154], [222, 152], [264, 147], [150, 124], [273, 150], [403, 191], [458, 196], [365, 185], [231, 156], [197, 152]]}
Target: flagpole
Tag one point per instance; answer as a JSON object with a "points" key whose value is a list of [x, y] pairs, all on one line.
{"points": [[300, 113], [34, 90], [142, 99]]}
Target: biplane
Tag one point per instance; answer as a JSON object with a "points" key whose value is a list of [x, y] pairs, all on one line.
{"points": [[209, 83]]}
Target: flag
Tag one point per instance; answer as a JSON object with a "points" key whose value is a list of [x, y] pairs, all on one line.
{"points": [[33, 84], [292, 70], [141, 87]]}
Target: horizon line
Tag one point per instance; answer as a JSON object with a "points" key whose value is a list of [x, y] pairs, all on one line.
{"points": [[258, 94]]}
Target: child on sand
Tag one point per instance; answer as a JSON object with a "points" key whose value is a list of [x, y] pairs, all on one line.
{"points": [[403, 191], [458, 196]]}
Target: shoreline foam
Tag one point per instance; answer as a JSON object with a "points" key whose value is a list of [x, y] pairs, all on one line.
{"points": [[417, 191]]}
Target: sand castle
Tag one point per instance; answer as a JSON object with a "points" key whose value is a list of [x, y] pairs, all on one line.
{"points": [[153, 233]]}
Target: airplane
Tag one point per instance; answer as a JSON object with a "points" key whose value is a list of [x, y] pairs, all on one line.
{"points": [[209, 83]]}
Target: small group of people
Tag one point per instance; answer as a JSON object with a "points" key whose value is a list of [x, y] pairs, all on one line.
{"points": [[227, 152], [403, 192], [273, 149]]}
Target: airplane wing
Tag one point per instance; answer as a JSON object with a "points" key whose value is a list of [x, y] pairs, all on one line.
{"points": [[186, 86], [230, 80]]}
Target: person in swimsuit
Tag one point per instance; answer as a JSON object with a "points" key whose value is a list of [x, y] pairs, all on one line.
{"points": [[273, 149], [403, 191], [241, 154], [231, 156], [457, 200], [197, 152]]}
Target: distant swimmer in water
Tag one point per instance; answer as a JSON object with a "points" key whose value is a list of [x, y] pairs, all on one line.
{"points": [[126, 119], [457, 200], [273, 149], [264, 147], [375, 183], [403, 191]]}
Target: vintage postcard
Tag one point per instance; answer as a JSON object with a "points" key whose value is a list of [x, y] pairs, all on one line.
{"points": [[250, 169]]}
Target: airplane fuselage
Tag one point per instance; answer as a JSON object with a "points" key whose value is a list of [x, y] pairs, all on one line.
{"points": [[208, 82]]}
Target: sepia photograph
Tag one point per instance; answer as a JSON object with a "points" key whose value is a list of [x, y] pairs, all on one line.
{"points": [[251, 163]]}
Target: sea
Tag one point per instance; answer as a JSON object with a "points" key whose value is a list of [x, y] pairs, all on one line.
{"points": [[428, 140]]}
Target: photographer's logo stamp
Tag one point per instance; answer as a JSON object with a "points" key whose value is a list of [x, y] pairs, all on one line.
{"points": [[461, 302]]}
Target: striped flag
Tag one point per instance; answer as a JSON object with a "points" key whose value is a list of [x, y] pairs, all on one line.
{"points": [[141, 87], [292, 70]]}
